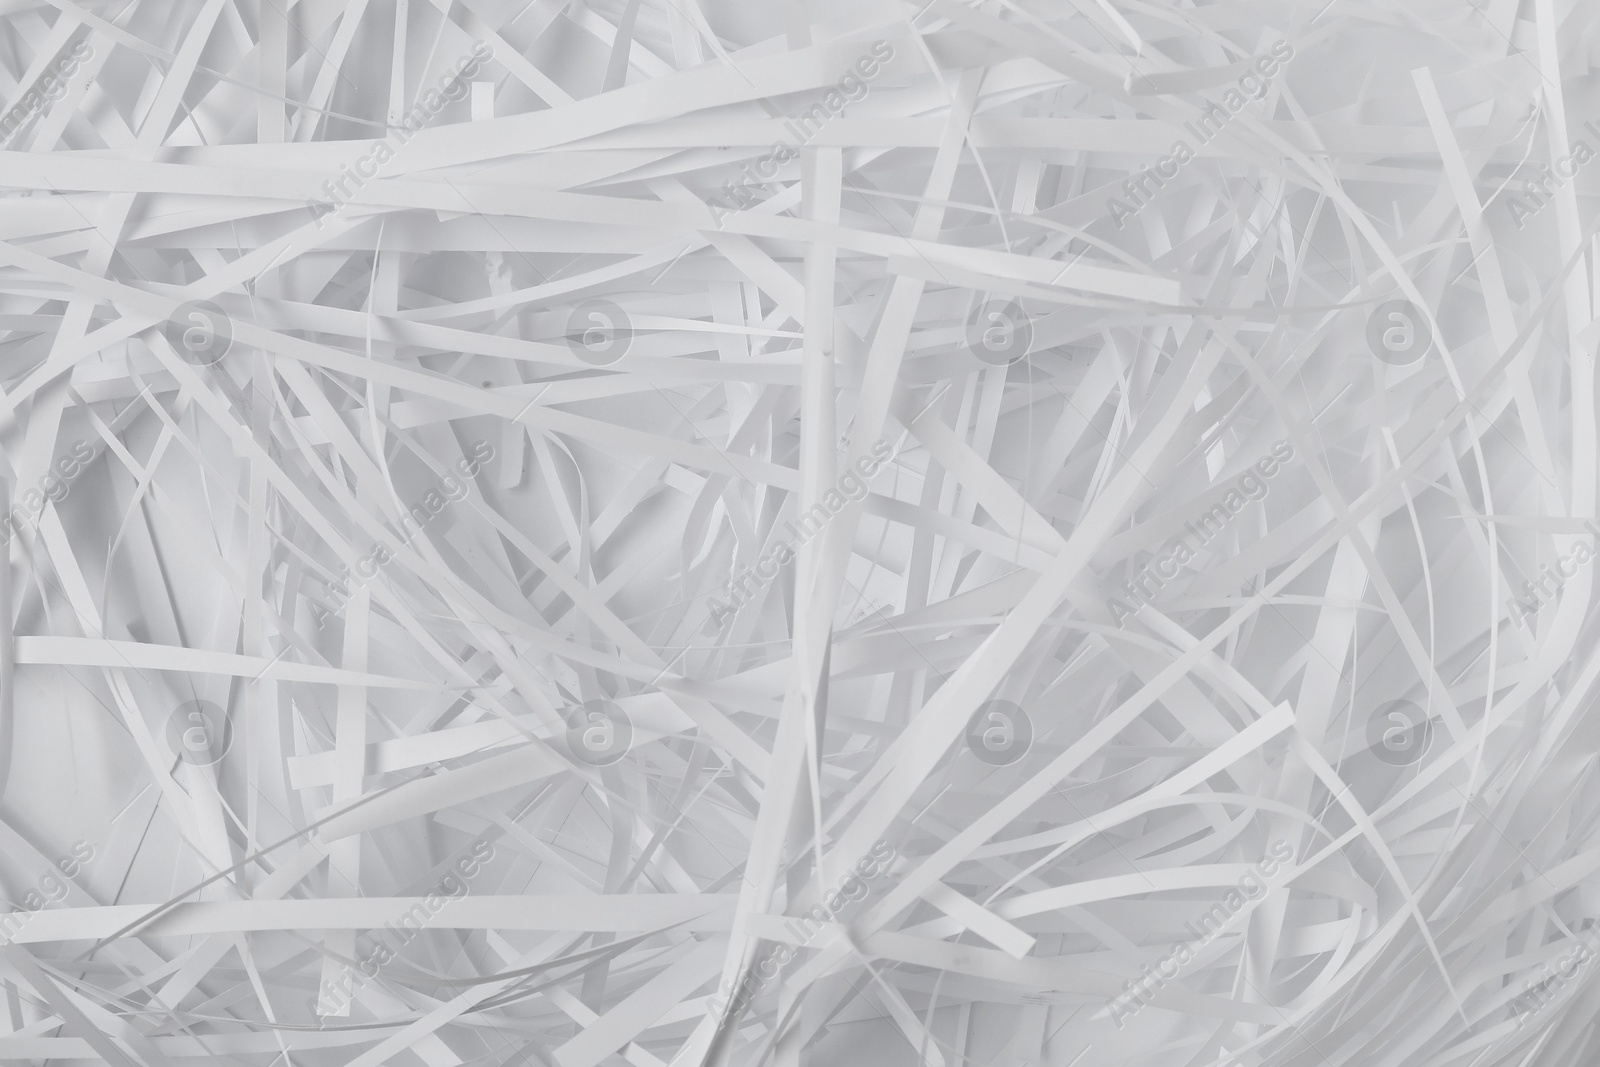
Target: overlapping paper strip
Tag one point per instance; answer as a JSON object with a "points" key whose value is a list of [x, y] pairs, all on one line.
{"points": [[1042, 594]]}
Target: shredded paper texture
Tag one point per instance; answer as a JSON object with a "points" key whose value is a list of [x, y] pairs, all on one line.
{"points": [[794, 533]]}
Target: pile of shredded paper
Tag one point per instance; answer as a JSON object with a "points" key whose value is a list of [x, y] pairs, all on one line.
{"points": [[794, 533]]}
